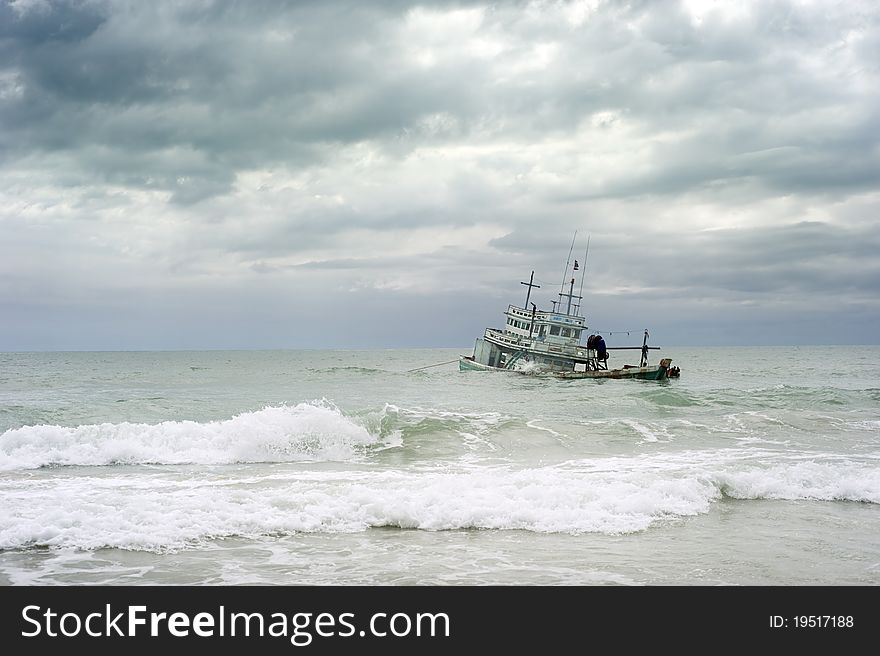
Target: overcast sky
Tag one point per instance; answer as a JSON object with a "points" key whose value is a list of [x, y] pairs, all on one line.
{"points": [[212, 174]]}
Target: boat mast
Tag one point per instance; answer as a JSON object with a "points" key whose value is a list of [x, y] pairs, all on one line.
{"points": [[529, 292], [570, 296]]}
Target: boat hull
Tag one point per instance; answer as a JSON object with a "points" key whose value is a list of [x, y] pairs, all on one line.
{"points": [[467, 363], [655, 372]]}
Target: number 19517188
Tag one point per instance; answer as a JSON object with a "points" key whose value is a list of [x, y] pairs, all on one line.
{"points": [[822, 621]]}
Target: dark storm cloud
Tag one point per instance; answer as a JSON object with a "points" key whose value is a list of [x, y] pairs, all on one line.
{"points": [[238, 84], [775, 261], [242, 85], [61, 22]]}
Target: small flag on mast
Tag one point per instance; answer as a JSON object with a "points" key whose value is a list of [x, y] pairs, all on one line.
{"points": [[575, 265]]}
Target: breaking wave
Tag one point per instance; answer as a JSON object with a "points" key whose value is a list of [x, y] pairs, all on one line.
{"points": [[611, 496], [307, 431]]}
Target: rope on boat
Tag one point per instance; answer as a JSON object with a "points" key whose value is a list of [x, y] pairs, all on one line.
{"points": [[431, 365]]}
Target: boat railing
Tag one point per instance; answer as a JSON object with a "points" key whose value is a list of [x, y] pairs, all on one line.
{"points": [[498, 336], [544, 315], [512, 309]]}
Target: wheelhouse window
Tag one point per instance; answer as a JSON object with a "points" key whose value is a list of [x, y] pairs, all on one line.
{"points": [[554, 330]]}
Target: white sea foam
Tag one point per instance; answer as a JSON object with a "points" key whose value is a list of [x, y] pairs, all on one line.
{"points": [[479, 421], [164, 513], [168, 510], [534, 424], [826, 481], [648, 435], [308, 431], [870, 425], [473, 427]]}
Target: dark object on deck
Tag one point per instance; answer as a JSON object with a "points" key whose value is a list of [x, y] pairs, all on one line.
{"points": [[601, 348]]}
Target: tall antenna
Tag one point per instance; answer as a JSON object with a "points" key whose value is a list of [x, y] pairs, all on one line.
{"points": [[584, 270]]}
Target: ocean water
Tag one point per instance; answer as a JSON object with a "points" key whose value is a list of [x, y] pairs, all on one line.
{"points": [[759, 466]]}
